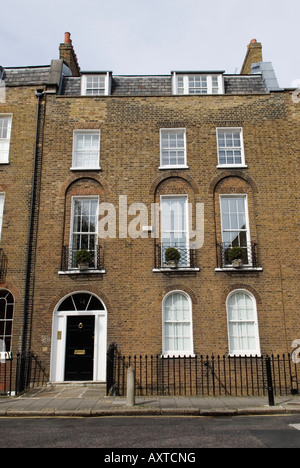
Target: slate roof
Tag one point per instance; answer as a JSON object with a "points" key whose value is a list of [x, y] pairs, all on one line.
{"points": [[156, 85], [26, 76], [244, 84], [141, 86], [162, 85]]}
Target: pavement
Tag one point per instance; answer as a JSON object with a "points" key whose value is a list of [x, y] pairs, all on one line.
{"points": [[91, 401]]}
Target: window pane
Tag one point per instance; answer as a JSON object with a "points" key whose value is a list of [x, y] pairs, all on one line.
{"points": [[84, 236], [87, 149], [95, 304], [243, 332], [234, 225], [4, 127], [6, 317], [172, 148], [67, 305], [229, 147], [177, 323], [2, 309], [81, 301], [5, 130]]}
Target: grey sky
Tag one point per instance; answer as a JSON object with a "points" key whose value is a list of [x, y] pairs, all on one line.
{"points": [[153, 36]]}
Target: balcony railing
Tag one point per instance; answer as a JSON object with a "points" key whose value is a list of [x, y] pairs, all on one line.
{"points": [[187, 256], [68, 262], [248, 261]]}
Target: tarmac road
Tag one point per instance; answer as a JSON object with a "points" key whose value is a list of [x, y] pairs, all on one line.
{"points": [[136, 432]]}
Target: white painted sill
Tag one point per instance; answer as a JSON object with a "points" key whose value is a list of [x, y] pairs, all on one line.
{"points": [[81, 272]]}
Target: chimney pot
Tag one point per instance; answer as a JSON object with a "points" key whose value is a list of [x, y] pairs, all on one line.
{"points": [[67, 38]]}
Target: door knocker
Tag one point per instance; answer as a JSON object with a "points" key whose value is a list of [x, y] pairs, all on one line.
{"points": [[80, 326]]}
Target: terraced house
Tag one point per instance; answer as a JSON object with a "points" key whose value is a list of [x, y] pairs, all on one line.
{"points": [[181, 194]]}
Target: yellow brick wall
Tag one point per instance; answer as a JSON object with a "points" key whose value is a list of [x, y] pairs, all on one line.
{"points": [[130, 159]]}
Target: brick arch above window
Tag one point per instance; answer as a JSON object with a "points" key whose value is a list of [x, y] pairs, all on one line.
{"points": [[79, 179], [173, 175], [232, 174], [174, 186], [12, 288], [240, 286], [183, 288]]}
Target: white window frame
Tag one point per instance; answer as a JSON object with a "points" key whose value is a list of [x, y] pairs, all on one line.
{"points": [[76, 167], [106, 88], [173, 131], [7, 353], [247, 230], [184, 352], [185, 89], [6, 141], [243, 352], [78, 197], [2, 201], [186, 231], [241, 147]]}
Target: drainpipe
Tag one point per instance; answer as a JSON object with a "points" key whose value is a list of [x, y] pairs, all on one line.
{"points": [[39, 94]]}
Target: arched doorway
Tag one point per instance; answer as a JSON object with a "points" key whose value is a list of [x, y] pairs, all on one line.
{"points": [[78, 350]]}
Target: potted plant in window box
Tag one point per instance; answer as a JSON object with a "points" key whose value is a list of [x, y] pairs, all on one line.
{"points": [[235, 256], [83, 259], [172, 257]]}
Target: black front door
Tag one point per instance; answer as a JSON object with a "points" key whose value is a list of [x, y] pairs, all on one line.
{"points": [[80, 348]]}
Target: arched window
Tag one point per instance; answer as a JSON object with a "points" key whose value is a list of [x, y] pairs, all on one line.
{"points": [[177, 324], [6, 319], [242, 324], [81, 302]]}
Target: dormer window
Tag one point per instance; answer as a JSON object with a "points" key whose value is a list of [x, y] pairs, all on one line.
{"points": [[96, 84], [198, 83]]}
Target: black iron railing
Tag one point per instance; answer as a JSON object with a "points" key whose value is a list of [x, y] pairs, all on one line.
{"points": [[69, 259], [30, 372], [158, 375], [6, 373], [187, 256], [204, 375], [249, 258], [21, 373]]}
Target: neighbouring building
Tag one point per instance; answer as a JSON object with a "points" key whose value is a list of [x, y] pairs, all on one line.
{"points": [[127, 170]]}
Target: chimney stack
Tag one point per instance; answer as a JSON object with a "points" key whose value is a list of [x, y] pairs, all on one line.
{"points": [[68, 38], [67, 53], [254, 55]]}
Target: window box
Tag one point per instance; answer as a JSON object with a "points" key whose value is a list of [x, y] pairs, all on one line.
{"points": [[69, 265], [186, 263], [249, 259]]}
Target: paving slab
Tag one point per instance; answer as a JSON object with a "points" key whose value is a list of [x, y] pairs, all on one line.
{"points": [[85, 401]]}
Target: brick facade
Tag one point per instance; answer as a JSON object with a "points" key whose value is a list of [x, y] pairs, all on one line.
{"points": [[16, 182], [131, 288]]}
